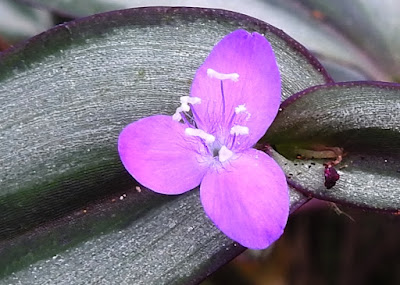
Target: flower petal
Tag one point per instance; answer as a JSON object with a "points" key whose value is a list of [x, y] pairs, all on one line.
{"points": [[248, 199], [156, 152], [257, 90]]}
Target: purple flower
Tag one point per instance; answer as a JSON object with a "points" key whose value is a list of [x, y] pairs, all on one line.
{"points": [[234, 98]]}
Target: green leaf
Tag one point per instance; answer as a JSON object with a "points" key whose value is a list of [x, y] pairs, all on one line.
{"points": [[66, 94], [363, 119], [173, 243], [295, 19]]}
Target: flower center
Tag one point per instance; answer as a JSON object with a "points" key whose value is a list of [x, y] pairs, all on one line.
{"points": [[220, 147], [213, 147]]}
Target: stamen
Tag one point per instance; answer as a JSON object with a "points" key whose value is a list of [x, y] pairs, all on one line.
{"points": [[201, 134], [223, 100], [190, 100], [224, 154], [185, 101], [185, 119], [239, 130], [233, 141], [240, 109], [181, 115], [222, 76], [185, 107], [177, 116]]}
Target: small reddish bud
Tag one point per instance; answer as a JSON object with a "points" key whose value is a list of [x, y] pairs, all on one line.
{"points": [[331, 176]]}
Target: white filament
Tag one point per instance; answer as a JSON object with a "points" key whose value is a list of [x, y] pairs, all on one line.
{"points": [[177, 116], [239, 130], [222, 76], [201, 134], [190, 100], [185, 101]]}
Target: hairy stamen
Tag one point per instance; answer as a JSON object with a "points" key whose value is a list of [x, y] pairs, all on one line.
{"points": [[185, 101], [190, 100], [239, 130], [177, 116], [208, 138], [185, 107], [222, 76]]}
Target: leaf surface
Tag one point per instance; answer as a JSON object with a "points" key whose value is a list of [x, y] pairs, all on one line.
{"points": [[305, 23], [66, 203], [363, 118]]}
